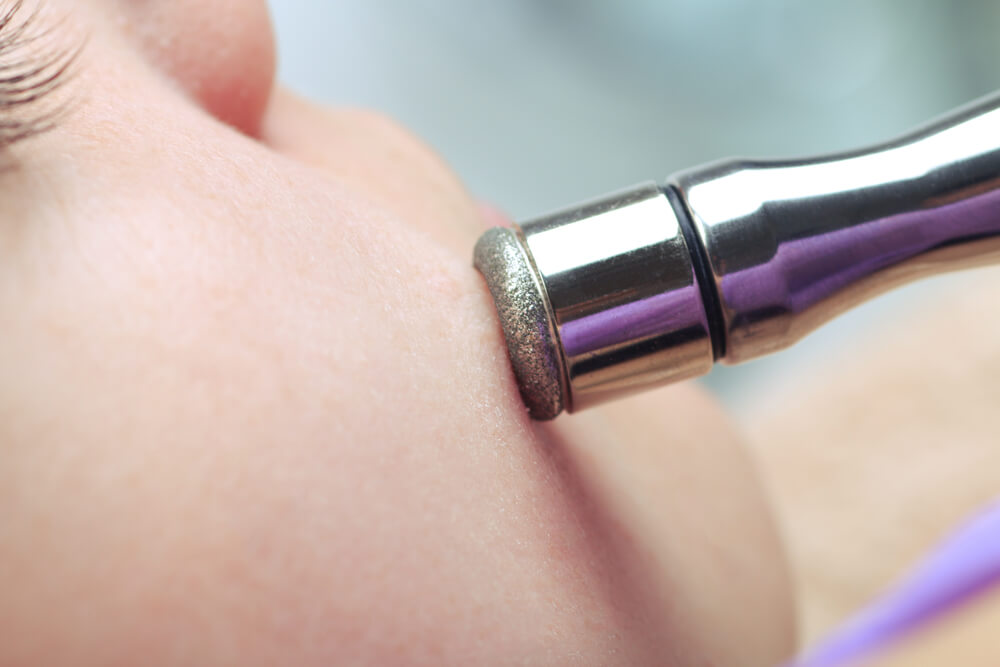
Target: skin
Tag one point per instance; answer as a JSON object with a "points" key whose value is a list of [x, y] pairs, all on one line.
{"points": [[966, 638], [874, 454], [255, 406]]}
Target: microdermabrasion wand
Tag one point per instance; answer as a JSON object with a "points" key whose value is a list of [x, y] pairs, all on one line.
{"points": [[735, 260]]}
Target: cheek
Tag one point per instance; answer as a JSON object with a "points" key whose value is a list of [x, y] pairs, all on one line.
{"points": [[221, 53]]}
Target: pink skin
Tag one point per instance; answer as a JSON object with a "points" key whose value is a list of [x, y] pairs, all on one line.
{"points": [[255, 406], [493, 216]]}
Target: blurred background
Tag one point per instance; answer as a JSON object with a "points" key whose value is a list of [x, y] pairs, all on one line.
{"points": [[540, 103]]}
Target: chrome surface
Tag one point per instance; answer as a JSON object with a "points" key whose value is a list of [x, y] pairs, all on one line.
{"points": [[774, 250], [792, 244], [619, 281]]}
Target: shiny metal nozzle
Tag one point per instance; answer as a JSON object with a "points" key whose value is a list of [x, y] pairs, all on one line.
{"points": [[735, 260], [598, 301]]}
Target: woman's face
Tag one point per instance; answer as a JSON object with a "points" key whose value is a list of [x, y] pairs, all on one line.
{"points": [[255, 406]]}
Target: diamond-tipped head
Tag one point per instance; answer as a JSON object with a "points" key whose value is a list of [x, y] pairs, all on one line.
{"points": [[525, 316]]}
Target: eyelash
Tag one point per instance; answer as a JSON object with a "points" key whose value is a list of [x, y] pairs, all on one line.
{"points": [[29, 74]]}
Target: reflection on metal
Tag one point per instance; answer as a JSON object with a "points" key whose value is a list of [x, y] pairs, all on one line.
{"points": [[740, 259]]}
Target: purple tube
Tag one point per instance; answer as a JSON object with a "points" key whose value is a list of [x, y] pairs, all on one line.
{"points": [[965, 565]]}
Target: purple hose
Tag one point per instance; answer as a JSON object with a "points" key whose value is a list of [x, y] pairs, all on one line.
{"points": [[966, 564]]}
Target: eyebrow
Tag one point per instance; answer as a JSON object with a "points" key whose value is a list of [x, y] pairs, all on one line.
{"points": [[31, 70]]}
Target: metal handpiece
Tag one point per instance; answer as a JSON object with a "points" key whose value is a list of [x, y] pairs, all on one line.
{"points": [[736, 259]]}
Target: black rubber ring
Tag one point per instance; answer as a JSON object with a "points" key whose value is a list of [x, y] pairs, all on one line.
{"points": [[703, 273]]}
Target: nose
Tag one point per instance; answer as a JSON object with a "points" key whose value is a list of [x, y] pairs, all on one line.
{"points": [[221, 53]]}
